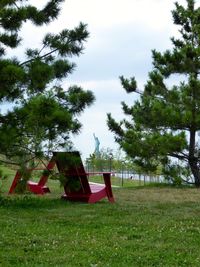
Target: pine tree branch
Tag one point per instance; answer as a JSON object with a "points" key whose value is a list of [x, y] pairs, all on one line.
{"points": [[178, 156], [41, 49], [9, 162], [142, 93], [137, 91], [16, 5], [41, 57]]}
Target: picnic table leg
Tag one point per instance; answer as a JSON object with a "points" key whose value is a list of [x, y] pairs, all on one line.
{"points": [[14, 183], [107, 181]]}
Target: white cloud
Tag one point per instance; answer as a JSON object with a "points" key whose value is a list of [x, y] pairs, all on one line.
{"points": [[108, 14]]}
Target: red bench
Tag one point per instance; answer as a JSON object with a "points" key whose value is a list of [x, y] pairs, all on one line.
{"points": [[37, 188], [70, 165], [76, 184]]}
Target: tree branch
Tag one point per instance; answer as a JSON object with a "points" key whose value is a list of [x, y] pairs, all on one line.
{"points": [[16, 5], [9, 162], [41, 57], [183, 157]]}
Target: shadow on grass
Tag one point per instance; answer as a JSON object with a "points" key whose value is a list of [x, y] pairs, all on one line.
{"points": [[35, 202], [32, 202]]}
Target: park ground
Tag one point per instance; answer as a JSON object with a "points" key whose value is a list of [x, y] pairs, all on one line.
{"points": [[151, 225]]}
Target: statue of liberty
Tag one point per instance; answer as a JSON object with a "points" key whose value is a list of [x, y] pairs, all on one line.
{"points": [[97, 143]]}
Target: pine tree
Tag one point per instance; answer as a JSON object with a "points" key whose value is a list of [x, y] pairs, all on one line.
{"points": [[43, 113], [162, 126]]}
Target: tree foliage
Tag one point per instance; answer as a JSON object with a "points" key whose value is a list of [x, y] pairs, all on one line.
{"points": [[162, 126], [43, 113]]}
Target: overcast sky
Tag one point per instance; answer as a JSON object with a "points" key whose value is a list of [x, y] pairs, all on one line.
{"points": [[122, 35]]}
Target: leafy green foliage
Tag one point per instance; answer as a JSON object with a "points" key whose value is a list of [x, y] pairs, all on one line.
{"points": [[44, 113], [162, 127]]}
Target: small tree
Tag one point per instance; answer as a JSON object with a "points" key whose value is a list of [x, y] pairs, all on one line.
{"points": [[162, 126], [43, 114]]}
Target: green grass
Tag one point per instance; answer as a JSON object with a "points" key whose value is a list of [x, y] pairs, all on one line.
{"points": [[9, 174], [7, 170], [155, 225], [147, 226]]}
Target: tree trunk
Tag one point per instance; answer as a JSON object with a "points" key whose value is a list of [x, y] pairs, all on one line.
{"points": [[195, 171], [193, 160]]}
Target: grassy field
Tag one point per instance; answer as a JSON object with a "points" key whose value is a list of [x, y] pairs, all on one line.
{"points": [[147, 226]]}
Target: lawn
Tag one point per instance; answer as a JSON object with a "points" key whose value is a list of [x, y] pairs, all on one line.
{"points": [[147, 226]]}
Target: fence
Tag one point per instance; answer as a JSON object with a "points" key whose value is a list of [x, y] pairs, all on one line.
{"points": [[128, 177]]}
